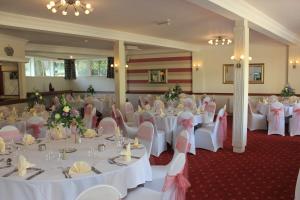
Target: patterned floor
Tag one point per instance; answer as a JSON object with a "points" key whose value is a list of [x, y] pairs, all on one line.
{"points": [[266, 171]]}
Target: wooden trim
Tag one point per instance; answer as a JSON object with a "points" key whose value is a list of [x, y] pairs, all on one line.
{"points": [[161, 59], [96, 92], [12, 101], [136, 71], [51, 93]]}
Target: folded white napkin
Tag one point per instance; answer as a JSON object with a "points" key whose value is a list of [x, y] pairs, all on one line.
{"points": [[28, 139], [127, 153], [56, 133], [162, 114], [140, 109], [136, 143], [80, 167], [147, 107], [89, 133], [117, 132], [180, 106], [22, 165], [2, 145]]}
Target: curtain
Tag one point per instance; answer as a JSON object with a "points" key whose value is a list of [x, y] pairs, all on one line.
{"points": [[110, 70], [70, 71]]}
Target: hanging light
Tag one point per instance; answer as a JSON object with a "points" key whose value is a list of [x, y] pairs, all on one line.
{"points": [[65, 5], [219, 41]]}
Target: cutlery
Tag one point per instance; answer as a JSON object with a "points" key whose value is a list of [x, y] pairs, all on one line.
{"points": [[96, 170], [34, 175], [136, 157], [66, 172], [7, 166], [1, 159], [111, 161], [10, 173], [34, 168]]}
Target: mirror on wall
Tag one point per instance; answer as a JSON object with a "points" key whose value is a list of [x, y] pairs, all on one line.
{"points": [[9, 79], [256, 73]]}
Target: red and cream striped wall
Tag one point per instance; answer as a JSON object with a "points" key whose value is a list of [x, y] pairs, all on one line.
{"points": [[179, 71]]}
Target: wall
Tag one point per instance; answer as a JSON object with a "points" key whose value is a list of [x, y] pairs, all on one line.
{"points": [[11, 86], [99, 83], [178, 65], [294, 80], [42, 83]]}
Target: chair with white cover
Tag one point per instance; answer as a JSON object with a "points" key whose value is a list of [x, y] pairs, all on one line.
{"points": [[100, 191], [272, 99], [293, 99], [276, 119], [150, 99], [206, 99], [174, 187], [129, 131], [294, 127], [108, 125], [158, 105], [129, 114], [145, 135], [209, 112], [89, 117], [256, 121], [159, 141], [185, 122], [35, 125], [189, 104], [212, 137], [10, 132], [160, 171]]}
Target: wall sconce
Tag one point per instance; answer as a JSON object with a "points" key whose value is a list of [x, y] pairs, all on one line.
{"points": [[242, 57], [197, 66], [294, 63]]}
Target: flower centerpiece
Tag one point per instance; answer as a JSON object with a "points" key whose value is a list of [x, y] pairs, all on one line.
{"points": [[172, 95], [91, 90], [287, 91], [34, 99], [66, 116]]}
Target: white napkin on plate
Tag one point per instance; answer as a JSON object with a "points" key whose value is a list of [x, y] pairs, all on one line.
{"points": [[89, 133], [80, 167], [117, 132], [2, 145], [28, 139], [127, 153], [140, 109], [136, 143], [22, 165]]}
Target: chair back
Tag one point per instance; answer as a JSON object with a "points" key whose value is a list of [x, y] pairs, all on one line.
{"points": [[293, 99], [69, 98], [35, 123], [158, 105], [272, 99], [149, 117], [185, 121], [145, 134], [10, 132], [276, 118], [150, 99], [89, 118], [100, 191], [189, 104], [182, 143], [129, 111], [109, 125], [209, 112]]}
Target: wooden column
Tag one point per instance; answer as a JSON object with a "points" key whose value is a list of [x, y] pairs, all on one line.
{"points": [[241, 74], [120, 73]]}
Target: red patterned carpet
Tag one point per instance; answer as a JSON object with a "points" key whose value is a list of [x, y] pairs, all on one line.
{"points": [[268, 169]]}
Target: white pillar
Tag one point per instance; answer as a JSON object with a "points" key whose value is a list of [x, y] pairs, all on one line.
{"points": [[241, 75], [120, 73], [22, 81]]}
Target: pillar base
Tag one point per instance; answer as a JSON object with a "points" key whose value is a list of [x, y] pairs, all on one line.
{"points": [[239, 149]]}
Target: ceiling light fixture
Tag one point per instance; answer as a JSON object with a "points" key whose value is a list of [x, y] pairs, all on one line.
{"points": [[66, 5], [219, 41]]}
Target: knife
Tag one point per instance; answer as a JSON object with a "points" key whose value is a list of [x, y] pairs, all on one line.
{"points": [[34, 175], [96, 170], [10, 173]]}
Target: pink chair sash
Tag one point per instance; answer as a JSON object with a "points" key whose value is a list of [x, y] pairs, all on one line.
{"points": [[276, 112], [13, 134], [151, 119], [94, 121], [36, 129], [223, 125], [180, 183], [182, 145], [186, 123]]}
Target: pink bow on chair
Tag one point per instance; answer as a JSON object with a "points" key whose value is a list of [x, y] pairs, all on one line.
{"points": [[276, 112], [13, 134], [223, 127], [186, 123], [36, 129], [180, 183], [182, 145]]}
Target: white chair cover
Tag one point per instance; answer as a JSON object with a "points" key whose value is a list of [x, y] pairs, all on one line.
{"points": [[189, 104], [276, 119], [295, 121], [10, 132], [35, 125], [212, 137], [129, 131], [89, 118], [109, 125], [256, 121], [129, 114], [159, 142], [209, 112], [100, 191], [150, 99], [5, 111], [145, 135], [293, 99], [158, 105], [272, 99], [185, 122]]}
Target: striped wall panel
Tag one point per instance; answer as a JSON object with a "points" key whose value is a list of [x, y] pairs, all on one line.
{"points": [[178, 65]]}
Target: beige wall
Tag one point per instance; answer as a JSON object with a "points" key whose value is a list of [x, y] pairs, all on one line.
{"points": [[99, 83], [42, 83]]}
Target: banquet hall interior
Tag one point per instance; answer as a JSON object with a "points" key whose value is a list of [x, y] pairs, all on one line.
{"points": [[149, 99]]}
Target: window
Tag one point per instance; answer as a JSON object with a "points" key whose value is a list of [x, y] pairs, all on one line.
{"points": [[44, 67], [96, 67]]}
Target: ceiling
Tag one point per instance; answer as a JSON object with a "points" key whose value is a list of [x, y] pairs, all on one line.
{"points": [[189, 23]]}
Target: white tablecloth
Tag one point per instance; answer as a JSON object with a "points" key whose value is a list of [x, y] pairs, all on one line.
{"points": [[264, 109], [168, 123], [297, 190], [52, 185]]}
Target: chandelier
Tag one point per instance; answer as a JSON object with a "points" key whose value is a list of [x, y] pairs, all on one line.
{"points": [[220, 41], [67, 5]]}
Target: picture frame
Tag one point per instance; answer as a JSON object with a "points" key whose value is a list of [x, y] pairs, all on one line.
{"points": [[157, 76], [256, 73]]}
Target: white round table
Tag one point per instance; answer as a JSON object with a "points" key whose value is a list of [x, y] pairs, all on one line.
{"points": [[52, 184]]}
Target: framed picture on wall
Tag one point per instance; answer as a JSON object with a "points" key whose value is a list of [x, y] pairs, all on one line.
{"points": [[256, 73], [157, 76]]}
